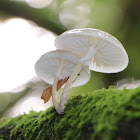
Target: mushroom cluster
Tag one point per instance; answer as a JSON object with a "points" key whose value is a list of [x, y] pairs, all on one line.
{"points": [[78, 52], [59, 65]]}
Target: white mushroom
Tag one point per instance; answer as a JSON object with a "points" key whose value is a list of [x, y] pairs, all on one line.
{"points": [[57, 65], [97, 49]]}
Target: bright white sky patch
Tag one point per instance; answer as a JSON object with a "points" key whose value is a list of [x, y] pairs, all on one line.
{"points": [[36, 3], [39, 3], [21, 45], [26, 105]]}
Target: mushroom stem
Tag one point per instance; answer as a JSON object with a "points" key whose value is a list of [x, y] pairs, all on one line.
{"points": [[54, 93], [64, 95]]}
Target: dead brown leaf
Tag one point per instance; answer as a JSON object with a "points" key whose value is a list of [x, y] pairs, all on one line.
{"points": [[47, 93]]}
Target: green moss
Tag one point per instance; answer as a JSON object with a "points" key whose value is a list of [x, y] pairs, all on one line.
{"points": [[100, 115]]}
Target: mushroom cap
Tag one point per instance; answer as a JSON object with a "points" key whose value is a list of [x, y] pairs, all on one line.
{"points": [[109, 54], [60, 63]]}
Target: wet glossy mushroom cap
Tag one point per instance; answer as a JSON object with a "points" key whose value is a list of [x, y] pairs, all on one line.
{"points": [[60, 63], [108, 54]]}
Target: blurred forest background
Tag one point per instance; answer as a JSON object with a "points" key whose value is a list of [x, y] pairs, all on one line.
{"points": [[28, 29]]}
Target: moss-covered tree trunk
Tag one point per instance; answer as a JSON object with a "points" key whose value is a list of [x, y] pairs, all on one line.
{"points": [[101, 115]]}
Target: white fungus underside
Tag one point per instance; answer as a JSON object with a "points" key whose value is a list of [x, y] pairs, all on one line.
{"points": [[110, 56]]}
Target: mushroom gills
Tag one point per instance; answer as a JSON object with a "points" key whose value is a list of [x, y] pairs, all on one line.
{"points": [[87, 57]]}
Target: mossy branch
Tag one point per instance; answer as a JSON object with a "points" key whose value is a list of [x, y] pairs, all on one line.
{"points": [[101, 115]]}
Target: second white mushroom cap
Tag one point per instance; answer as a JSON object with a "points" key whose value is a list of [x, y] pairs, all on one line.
{"points": [[60, 63]]}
